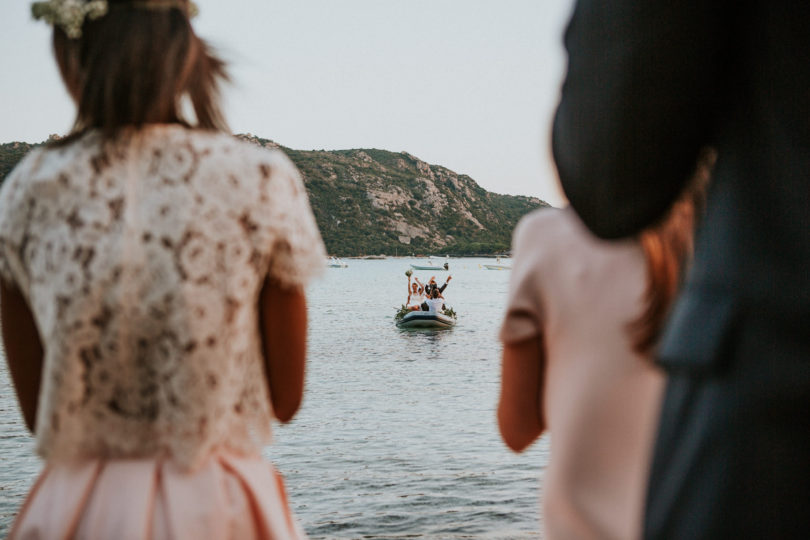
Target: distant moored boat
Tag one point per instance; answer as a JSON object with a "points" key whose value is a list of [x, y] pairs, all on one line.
{"points": [[334, 262], [431, 266]]}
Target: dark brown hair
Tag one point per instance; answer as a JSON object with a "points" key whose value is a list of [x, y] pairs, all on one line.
{"points": [[667, 251], [135, 66]]}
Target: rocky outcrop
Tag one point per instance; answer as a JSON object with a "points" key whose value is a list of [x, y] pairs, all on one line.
{"points": [[370, 201], [375, 201]]}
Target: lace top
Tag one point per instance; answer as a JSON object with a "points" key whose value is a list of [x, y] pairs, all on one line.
{"points": [[142, 262]]}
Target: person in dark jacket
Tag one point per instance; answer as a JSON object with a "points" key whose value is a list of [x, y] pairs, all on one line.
{"points": [[649, 84], [433, 285]]}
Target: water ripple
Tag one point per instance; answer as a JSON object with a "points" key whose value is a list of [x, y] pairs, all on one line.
{"points": [[396, 437]]}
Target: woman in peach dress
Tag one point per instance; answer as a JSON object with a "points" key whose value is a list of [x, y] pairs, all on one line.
{"points": [[151, 285], [582, 319]]}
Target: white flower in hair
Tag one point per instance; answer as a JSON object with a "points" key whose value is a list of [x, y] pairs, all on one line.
{"points": [[69, 14]]}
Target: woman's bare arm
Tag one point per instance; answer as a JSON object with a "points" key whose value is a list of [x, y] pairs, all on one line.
{"points": [[283, 325], [24, 352], [520, 410]]}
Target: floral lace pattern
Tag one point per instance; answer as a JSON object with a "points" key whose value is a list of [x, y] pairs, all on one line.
{"points": [[142, 261]]}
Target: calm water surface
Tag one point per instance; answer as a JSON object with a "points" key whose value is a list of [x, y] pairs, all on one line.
{"points": [[396, 437]]}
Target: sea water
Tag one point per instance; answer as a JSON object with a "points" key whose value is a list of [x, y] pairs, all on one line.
{"points": [[397, 436]]}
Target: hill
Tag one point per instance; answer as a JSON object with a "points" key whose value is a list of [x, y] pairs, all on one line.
{"points": [[370, 201]]}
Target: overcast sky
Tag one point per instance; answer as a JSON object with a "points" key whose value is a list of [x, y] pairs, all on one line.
{"points": [[467, 84]]}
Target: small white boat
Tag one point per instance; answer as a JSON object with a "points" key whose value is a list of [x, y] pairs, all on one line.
{"points": [[498, 265], [426, 319], [334, 262], [429, 267]]}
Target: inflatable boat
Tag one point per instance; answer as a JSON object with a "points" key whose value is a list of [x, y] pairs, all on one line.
{"points": [[497, 267], [426, 319]]}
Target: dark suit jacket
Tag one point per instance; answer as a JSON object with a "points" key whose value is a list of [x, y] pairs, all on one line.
{"points": [[649, 83], [430, 286]]}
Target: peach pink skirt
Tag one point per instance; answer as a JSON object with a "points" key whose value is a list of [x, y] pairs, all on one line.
{"points": [[228, 497]]}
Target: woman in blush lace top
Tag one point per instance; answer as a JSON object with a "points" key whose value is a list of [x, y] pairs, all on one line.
{"points": [[151, 283], [582, 320]]}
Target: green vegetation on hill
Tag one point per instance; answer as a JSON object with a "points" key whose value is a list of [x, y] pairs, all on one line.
{"points": [[373, 201], [11, 154]]}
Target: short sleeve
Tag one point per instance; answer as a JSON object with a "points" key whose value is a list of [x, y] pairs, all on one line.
{"points": [[297, 254], [523, 318], [13, 217], [7, 248]]}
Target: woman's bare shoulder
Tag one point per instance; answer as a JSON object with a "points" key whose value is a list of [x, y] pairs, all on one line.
{"points": [[546, 228]]}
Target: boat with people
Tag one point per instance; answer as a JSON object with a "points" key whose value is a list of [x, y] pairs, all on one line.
{"points": [[426, 319], [425, 307]]}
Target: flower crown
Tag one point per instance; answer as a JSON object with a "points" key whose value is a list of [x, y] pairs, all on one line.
{"points": [[70, 14]]}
